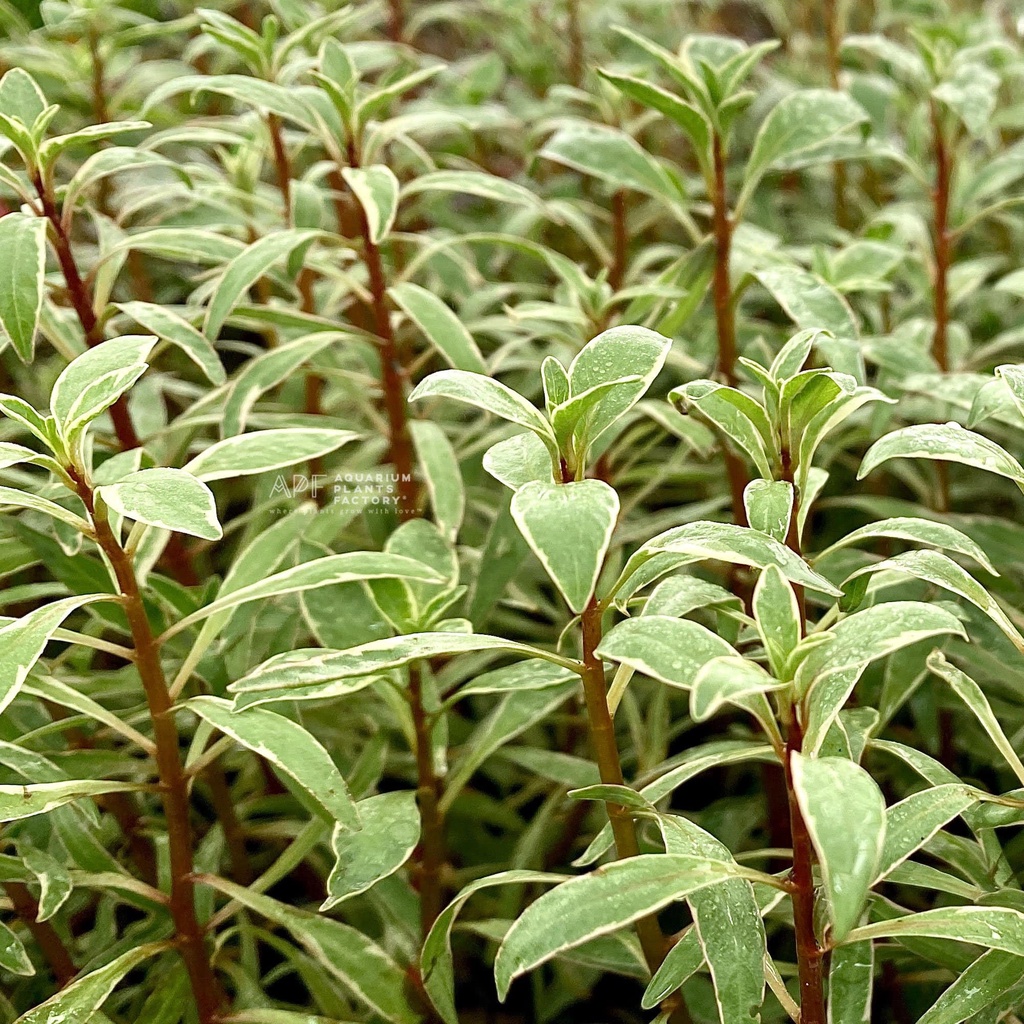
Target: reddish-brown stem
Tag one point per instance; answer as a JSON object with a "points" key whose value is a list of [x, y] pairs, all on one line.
{"points": [[283, 171], [234, 834], [46, 938], [393, 373], [943, 252], [725, 317], [82, 305], [810, 956], [396, 20], [606, 753], [430, 864], [282, 165], [942, 239], [206, 990], [577, 51], [620, 240]]}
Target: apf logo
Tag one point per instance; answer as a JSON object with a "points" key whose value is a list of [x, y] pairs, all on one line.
{"points": [[363, 490]]}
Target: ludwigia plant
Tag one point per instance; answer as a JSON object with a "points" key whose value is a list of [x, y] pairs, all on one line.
{"points": [[505, 519]]}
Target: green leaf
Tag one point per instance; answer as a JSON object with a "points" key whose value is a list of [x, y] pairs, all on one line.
{"points": [[116, 160], [685, 115], [376, 188], [94, 381], [21, 97], [681, 962], [287, 746], [440, 465], [833, 667], [264, 450], [14, 498], [55, 884], [777, 615], [741, 418], [389, 832], [667, 649], [991, 927], [769, 506], [851, 978], [483, 393], [1013, 377], [80, 1002], [267, 370], [305, 674], [52, 148], [980, 984], [436, 959], [245, 270], [910, 823], [612, 156], [473, 183], [945, 441], [922, 531], [25, 801], [362, 966], [176, 330], [23, 243], [728, 923], [613, 356], [727, 680], [514, 714], [736, 544], [169, 499], [845, 814], [971, 694], [809, 301], [602, 902], [350, 567], [971, 94], [940, 570], [794, 128], [13, 957], [440, 325], [584, 509], [23, 641]]}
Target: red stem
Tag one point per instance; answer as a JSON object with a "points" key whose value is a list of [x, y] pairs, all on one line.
{"points": [[942, 240], [206, 990], [810, 956], [393, 373], [725, 318]]}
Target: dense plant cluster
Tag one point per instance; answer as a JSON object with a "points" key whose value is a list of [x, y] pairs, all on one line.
{"points": [[511, 512]]}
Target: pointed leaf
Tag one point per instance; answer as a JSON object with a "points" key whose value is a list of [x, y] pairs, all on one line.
{"points": [[80, 1002], [388, 834], [245, 270], [586, 510], [23, 641], [376, 188], [169, 499], [667, 649], [288, 747], [23, 243], [483, 393], [440, 325], [845, 814], [946, 441], [176, 330], [600, 903], [264, 450]]}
